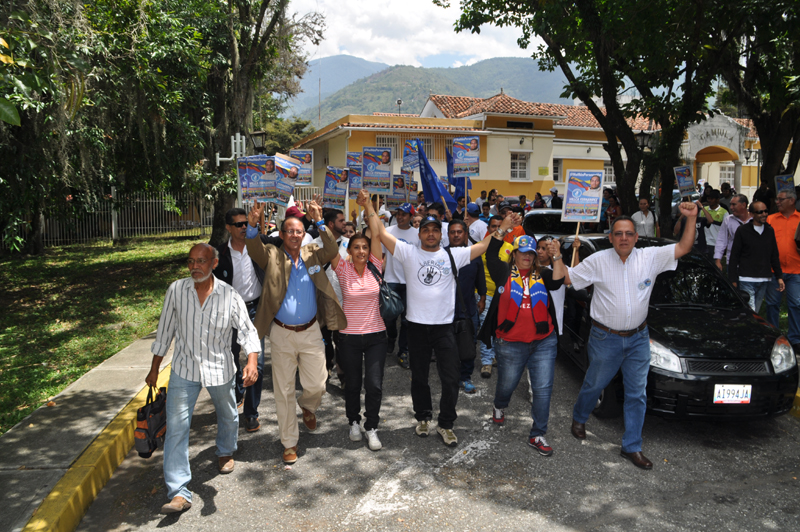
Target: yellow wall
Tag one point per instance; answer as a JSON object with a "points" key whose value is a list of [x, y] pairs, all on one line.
{"points": [[577, 134], [581, 164]]}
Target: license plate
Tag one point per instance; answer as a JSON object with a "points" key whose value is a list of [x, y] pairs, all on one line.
{"points": [[732, 393]]}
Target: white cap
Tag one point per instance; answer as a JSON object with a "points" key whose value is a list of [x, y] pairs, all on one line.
{"points": [[554, 190]]}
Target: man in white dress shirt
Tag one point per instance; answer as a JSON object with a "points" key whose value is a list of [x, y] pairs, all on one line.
{"points": [[623, 280], [200, 313]]}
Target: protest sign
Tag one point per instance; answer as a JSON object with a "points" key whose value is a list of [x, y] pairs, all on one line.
{"points": [[376, 170], [784, 183], [410, 155], [684, 179], [257, 178], [466, 157], [286, 171], [354, 180], [335, 185], [584, 196], [399, 185], [353, 158], [306, 158]]}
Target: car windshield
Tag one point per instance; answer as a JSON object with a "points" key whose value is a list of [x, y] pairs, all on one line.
{"points": [[694, 283], [548, 224]]}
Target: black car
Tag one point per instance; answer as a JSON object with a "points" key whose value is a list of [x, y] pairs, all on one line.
{"points": [[711, 355]]}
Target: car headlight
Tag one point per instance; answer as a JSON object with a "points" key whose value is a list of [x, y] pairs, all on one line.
{"points": [[782, 357], [661, 357]]}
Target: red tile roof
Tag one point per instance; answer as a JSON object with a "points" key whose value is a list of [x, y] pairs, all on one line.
{"points": [[505, 104], [746, 122], [451, 106], [408, 115], [409, 126]]}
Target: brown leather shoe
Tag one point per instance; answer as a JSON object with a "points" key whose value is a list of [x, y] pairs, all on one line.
{"points": [[225, 464], [309, 419], [176, 505], [638, 459], [578, 430], [290, 455]]}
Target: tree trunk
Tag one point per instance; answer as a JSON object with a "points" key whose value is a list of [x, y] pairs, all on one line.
{"points": [[36, 240], [222, 204]]}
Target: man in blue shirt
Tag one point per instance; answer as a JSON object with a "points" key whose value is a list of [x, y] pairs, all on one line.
{"points": [[296, 300], [471, 278]]}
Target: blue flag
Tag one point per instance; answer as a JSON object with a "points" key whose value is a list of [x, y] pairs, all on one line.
{"points": [[431, 185], [458, 183]]}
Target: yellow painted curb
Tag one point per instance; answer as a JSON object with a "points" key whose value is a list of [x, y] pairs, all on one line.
{"points": [[795, 411], [63, 508]]}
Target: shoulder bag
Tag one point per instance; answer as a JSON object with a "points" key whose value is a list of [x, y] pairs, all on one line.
{"points": [[462, 328], [391, 304]]}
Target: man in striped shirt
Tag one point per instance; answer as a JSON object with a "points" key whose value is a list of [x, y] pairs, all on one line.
{"points": [[200, 313]]}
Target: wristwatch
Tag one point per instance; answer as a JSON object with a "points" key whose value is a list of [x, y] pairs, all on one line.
{"points": [[557, 257]]}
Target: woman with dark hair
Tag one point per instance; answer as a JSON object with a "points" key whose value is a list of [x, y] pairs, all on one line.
{"points": [[538, 201], [613, 211], [522, 327], [362, 344]]}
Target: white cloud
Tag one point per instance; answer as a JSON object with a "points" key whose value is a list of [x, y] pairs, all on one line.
{"points": [[404, 32]]}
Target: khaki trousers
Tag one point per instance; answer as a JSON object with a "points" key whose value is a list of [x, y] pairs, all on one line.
{"points": [[292, 352]]}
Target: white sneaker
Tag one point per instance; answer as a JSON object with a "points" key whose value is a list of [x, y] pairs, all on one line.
{"points": [[355, 431], [448, 436], [373, 441]]}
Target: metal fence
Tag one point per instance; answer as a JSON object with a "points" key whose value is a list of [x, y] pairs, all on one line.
{"points": [[141, 214]]}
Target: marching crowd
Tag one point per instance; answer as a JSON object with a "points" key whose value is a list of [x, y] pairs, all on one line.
{"points": [[465, 278]]}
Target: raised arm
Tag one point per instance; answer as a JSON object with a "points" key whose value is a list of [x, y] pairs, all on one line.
{"points": [[509, 222], [687, 240], [330, 249], [376, 227], [256, 248]]}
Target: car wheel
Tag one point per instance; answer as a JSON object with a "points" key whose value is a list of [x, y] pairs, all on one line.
{"points": [[608, 404]]}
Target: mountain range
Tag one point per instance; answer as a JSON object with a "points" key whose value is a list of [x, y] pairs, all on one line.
{"points": [[350, 85]]}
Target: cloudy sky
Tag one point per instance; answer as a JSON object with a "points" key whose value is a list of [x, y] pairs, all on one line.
{"points": [[405, 32]]}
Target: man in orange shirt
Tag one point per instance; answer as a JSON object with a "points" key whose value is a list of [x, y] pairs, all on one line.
{"points": [[785, 222], [504, 209]]}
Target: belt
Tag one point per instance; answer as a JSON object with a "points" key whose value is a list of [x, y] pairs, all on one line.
{"points": [[624, 334], [253, 303], [296, 328]]}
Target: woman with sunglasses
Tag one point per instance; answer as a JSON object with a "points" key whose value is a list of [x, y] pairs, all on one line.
{"points": [[362, 344], [521, 325]]}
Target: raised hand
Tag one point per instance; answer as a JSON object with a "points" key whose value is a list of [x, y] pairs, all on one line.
{"points": [[363, 198], [688, 209], [553, 248], [314, 210], [317, 199], [256, 213]]}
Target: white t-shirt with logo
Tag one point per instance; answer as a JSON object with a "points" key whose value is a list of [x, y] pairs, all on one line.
{"points": [[394, 272], [430, 283]]}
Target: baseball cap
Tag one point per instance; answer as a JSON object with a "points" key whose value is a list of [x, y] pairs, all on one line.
{"points": [[294, 212], [406, 207], [525, 243], [430, 220], [554, 190], [503, 205], [473, 209]]}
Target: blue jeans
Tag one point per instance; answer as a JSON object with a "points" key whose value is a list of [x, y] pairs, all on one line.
{"points": [[487, 353], [608, 353], [757, 291], [468, 366], [391, 328], [540, 359], [181, 398], [251, 394], [792, 281]]}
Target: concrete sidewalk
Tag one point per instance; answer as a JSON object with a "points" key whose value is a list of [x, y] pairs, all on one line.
{"points": [[38, 452]]}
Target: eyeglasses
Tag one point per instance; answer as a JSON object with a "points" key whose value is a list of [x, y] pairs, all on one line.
{"points": [[239, 224], [620, 234], [298, 232], [778, 200], [761, 212], [199, 262]]}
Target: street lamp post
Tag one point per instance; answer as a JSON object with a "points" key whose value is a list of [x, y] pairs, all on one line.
{"points": [[754, 155], [258, 138]]}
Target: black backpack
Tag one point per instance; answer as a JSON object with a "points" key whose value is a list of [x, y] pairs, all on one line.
{"points": [[151, 423]]}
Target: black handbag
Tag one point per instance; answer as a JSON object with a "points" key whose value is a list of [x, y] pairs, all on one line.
{"points": [[391, 304], [463, 329], [151, 423]]}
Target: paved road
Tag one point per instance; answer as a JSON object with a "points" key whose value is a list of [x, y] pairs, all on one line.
{"points": [[707, 475]]}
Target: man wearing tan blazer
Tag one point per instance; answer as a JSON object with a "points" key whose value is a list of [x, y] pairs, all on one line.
{"points": [[291, 312]]}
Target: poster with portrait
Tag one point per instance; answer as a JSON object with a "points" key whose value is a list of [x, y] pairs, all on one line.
{"points": [[355, 181], [684, 180], [286, 171], [376, 170], [306, 174], [335, 187], [466, 157], [394, 200], [411, 155], [584, 196], [784, 183], [412, 187], [257, 178], [353, 158], [399, 185]]}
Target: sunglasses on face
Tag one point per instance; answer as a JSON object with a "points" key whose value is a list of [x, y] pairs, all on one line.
{"points": [[761, 212], [239, 224]]}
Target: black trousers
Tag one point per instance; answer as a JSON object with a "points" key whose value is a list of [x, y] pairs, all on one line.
{"points": [[422, 341], [371, 350]]}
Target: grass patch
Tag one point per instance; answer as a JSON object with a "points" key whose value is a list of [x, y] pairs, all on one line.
{"points": [[75, 306]]}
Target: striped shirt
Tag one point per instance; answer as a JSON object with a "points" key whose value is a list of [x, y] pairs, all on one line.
{"points": [[203, 333], [360, 298], [622, 290]]}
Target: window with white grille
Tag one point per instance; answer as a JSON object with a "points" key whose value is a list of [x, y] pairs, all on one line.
{"points": [[608, 174], [519, 167], [556, 170], [726, 173], [389, 141]]}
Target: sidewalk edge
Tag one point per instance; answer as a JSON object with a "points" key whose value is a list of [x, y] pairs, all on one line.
{"points": [[65, 505], [795, 411]]}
